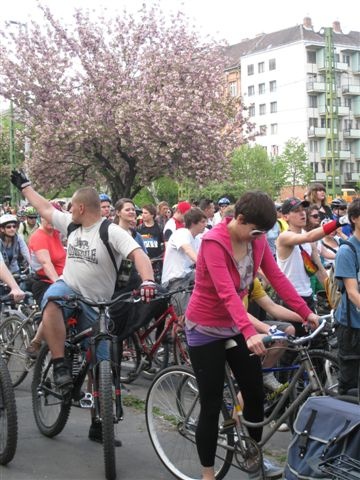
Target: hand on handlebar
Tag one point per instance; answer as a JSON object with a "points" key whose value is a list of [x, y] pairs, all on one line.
{"points": [[255, 344], [312, 321], [148, 290], [17, 294]]}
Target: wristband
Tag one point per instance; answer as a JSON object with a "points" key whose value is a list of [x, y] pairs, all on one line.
{"points": [[330, 226]]}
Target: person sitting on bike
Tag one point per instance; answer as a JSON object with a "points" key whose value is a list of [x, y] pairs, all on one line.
{"points": [[229, 257], [88, 270], [30, 224], [12, 246], [8, 279]]}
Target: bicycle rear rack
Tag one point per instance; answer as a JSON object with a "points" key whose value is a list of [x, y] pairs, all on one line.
{"points": [[341, 467]]}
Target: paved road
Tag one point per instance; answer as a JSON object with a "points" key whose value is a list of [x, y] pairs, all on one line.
{"points": [[72, 456]]}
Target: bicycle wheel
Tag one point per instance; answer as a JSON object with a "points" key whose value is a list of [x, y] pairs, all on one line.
{"points": [[51, 412], [13, 341], [8, 417], [326, 366], [171, 410], [131, 359], [107, 417], [180, 348]]}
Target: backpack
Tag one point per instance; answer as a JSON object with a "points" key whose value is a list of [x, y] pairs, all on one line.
{"points": [[333, 288], [125, 318], [325, 427]]}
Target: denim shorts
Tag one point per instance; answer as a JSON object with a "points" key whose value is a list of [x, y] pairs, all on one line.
{"points": [[87, 318]]}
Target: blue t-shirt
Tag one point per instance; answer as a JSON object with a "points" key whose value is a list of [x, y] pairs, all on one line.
{"points": [[345, 267]]}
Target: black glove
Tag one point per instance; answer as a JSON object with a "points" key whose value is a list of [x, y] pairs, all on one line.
{"points": [[19, 179], [148, 290]]}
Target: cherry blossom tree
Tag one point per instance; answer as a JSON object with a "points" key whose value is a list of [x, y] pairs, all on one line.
{"points": [[120, 102]]}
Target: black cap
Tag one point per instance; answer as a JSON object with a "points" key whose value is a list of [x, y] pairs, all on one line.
{"points": [[292, 203]]}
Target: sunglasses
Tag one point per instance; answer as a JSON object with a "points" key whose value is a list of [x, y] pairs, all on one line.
{"points": [[341, 208], [32, 216], [315, 215], [11, 226], [257, 233]]}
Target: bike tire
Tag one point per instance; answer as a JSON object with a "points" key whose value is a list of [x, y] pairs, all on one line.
{"points": [[107, 418], [171, 412], [8, 416], [180, 348], [12, 347], [131, 359], [326, 366], [51, 413]]}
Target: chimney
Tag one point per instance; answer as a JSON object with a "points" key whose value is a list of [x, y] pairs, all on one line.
{"points": [[336, 27], [307, 23]]}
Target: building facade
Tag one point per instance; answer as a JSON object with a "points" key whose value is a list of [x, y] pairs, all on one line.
{"points": [[298, 83]]}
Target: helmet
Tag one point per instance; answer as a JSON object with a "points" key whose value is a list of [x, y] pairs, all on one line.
{"points": [[224, 201], [338, 202], [104, 198], [30, 212], [8, 218]]}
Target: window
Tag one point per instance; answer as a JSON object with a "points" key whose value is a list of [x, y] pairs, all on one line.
{"points": [[261, 88], [252, 111], [251, 90], [272, 64], [273, 107], [346, 59], [261, 67], [312, 101], [311, 57], [273, 86], [337, 57], [274, 150], [262, 109], [313, 122], [262, 129], [347, 102], [314, 146], [233, 89], [250, 69], [274, 128]]}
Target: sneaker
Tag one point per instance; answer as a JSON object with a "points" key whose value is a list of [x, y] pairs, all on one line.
{"points": [[271, 383], [62, 375], [95, 434], [33, 349], [270, 471]]}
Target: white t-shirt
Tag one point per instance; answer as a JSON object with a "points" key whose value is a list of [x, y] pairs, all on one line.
{"points": [[176, 263], [293, 268], [88, 267]]}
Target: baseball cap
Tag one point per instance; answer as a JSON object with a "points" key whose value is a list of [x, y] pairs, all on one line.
{"points": [[224, 201], [183, 207], [292, 203]]}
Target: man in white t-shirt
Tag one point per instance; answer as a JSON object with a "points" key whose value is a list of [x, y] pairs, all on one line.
{"points": [[176, 221], [222, 203], [181, 250], [88, 270]]}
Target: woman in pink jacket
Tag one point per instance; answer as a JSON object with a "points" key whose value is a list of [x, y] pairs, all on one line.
{"points": [[229, 257]]}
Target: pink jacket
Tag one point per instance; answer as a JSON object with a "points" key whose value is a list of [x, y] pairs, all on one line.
{"points": [[217, 299]]}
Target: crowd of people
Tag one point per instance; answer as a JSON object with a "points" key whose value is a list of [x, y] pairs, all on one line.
{"points": [[234, 252]]}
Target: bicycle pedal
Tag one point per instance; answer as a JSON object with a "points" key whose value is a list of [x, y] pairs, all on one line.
{"points": [[227, 425], [87, 401]]}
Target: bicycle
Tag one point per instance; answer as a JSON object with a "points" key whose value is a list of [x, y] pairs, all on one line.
{"points": [[172, 408], [148, 349], [8, 417], [16, 332], [51, 406]]}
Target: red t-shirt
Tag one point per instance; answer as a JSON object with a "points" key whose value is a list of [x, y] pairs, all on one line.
{"points": [[40, 240]]}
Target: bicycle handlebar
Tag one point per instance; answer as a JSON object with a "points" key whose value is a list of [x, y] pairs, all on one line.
{"points": [[299, 340]]}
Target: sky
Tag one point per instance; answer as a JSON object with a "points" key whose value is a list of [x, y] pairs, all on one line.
{"points": [[230, 20]]}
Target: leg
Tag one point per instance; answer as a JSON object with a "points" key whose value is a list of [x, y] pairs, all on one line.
{"points": [[209, 365], [54, 330]]}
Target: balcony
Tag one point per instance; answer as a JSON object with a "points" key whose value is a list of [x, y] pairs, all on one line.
{"points": [[313, 87], [341, 111], [340, 155], [355, 177], [321, 177], [316, 132], [351, 133], [339, 66], [350, 89]]}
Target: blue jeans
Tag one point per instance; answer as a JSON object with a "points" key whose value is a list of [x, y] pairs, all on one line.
{"points": [[87, 318]]}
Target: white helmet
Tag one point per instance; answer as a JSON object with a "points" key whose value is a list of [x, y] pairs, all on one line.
{"points": [[8, 218]]}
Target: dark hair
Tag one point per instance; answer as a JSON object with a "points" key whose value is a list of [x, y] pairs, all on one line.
{"points": [[311, 194], [257, 207], [119, 205], [354, 211], [193, 216], [150, 208], [205, 203], [310, 226]]}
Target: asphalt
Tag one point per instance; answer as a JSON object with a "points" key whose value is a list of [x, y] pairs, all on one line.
{"points": [[71, 455]]}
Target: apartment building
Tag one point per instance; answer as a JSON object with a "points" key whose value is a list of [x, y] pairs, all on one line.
{"points": [[284, 79]]}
